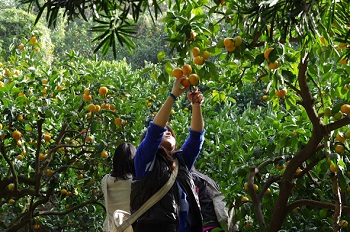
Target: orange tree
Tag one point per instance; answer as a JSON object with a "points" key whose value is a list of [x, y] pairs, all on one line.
{"points": [[290, 145], [59, 126], [291, 153]]}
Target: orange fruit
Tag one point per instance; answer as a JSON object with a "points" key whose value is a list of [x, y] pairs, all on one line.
{"points": [[89, 139], [177, 72], [244, 199], [246, 185], [87, 97], [47, 137], [11, 186], [97, 108], [118, 121], [196, 51], [333, 168], [42, 156], [206, 55], [193, 79], [237, 40], [230, 48], [344, 223], [267, 53], [186, 69], [280, 166], [268, 191], [337, 116], [103, 90], [33, 40], [7, 71], [21, 47], [16, 135], [340, 138], [272, 65], [36, 226], [228, 42], [91, 108], [11, 201], [105, 106], [264, 97], [111, 107], [86, 91], [298, 171], [199, 60], [345, 108], [339, 148], [185, 82], [281, 93], [49, 172], [104, 154], [64, 191]]}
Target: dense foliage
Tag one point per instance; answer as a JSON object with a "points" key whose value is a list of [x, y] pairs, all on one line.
{"points": [[276, 115]]}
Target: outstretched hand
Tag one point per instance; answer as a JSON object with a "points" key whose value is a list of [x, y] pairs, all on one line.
{"points": [[178, 89], [195, 97]]}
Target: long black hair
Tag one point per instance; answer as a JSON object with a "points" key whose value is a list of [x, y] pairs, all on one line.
{"points": [[123, 161]]}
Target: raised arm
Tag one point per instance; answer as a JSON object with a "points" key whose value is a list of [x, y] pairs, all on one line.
{"points": [[196, 98], [163, 114]]}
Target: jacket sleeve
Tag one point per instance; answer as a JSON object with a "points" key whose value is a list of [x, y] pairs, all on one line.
{"points": [[147, 150], [192, 147]]}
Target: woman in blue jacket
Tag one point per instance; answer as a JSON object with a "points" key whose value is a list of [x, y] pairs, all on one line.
{"points": [[179, 209]]}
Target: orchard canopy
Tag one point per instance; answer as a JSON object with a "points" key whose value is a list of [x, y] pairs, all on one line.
{"points": [[275, 76]]}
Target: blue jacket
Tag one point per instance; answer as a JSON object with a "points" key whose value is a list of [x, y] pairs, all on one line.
{"points": [[180, 206]]}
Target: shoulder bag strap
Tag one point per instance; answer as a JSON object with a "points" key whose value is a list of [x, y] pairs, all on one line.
{"points": [[151, 201]]}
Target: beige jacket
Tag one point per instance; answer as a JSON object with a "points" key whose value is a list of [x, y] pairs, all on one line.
{"points": [[116, 194]]}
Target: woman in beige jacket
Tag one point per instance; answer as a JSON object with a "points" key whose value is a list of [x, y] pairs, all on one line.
{"points": [[116, 186]]}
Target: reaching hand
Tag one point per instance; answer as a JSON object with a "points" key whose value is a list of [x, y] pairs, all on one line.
{"points": [[195, 97], [178, 89]]}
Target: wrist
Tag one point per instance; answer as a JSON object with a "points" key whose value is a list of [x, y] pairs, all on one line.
{"points": [[173, 96]]}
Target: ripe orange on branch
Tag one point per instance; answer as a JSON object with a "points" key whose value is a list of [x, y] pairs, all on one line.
{"points": [[237, 41], [272, 65], [16, 135], [281, 93], [103, 90], [196, 51], [185, 82], [206, 55], [186, 69], [177, 73], [199, 60], [193, 79], [345, 108], [267, 53]]}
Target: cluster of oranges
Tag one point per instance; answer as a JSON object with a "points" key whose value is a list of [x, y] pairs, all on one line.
{"points": [[198, 56], [94, 108], [186, 70], [232, 43], [271, 65]]}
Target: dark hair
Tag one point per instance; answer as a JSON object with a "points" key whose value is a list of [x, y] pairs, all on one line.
{"points": [[123, 161], [162, 151]]}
